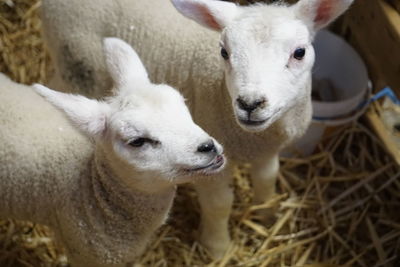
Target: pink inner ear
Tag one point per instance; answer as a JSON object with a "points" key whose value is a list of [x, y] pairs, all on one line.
{"points": [[208, 19], [324, 12]]}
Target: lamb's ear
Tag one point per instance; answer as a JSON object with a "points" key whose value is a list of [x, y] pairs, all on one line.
{"points": [[87, 114], [210, 13], [123, 63], [319, 13]]}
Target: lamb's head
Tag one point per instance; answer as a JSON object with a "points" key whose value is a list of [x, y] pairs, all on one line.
{"points": [[267, 52], [145, 126]]}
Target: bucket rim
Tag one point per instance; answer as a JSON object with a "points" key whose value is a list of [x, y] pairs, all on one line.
{"points": [[350, 116]]}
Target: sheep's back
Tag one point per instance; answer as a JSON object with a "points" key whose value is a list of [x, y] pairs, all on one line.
{"points": [[174, 49], [41, 155]]}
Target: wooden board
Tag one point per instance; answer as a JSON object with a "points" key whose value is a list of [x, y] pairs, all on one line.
{"points": [[395, 4], [373, 27]]}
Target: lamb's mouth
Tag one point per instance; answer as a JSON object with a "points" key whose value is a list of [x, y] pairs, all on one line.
{"points": [[214, 166], [259, 124], [252, 122]]}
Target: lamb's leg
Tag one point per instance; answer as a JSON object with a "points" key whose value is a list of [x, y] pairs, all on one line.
{"points": [[215, 197], [263, 176]]}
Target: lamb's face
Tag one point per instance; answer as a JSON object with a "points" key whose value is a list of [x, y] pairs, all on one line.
{"points": [[152, 130], [147, 126], [268, 62], [266, 50]]}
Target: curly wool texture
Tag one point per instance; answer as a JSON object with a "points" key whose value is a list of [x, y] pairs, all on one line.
{"points": [[51, 173]]}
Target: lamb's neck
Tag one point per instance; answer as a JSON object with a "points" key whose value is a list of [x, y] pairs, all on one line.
{"points": [[118, 199], [127, 215], [119, 181]]}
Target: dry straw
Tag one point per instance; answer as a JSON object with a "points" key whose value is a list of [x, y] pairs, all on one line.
{"points": [[338, 207]]}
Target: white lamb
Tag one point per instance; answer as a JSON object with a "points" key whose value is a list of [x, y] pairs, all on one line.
{"points": [[256, 102], [103, 200]]}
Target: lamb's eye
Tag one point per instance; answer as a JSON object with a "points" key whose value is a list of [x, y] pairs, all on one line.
{"points": [[138, 142], [224, 53], [299, 53]]}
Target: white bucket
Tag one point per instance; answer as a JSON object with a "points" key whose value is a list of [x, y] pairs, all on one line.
{"points": [[339, 63]]}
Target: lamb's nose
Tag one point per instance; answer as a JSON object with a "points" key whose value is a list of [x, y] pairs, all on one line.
{"points": [[249, 107], [207, 147]]}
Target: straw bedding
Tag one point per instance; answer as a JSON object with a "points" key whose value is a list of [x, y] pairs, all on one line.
{"points": [[338, 207]]}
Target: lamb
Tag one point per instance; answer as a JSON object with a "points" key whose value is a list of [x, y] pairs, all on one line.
{"points": [[253, 93], [106, 190]]}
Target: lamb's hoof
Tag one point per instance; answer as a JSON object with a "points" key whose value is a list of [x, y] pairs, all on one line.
{"points": [[216, 245]]}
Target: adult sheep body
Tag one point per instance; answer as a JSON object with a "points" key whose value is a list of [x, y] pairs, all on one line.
{"points": [[255, 100], [104, 196]]}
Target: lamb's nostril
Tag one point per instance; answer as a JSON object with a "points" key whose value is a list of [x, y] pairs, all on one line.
{"points": [[258, 103], [249, 107], [207, 147]]}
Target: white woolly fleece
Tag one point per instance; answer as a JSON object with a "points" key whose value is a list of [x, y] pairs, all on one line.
{"points": [[49, 174]]}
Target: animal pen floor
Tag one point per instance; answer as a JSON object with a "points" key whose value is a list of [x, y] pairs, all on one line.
{"points": [[338, 207]]}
